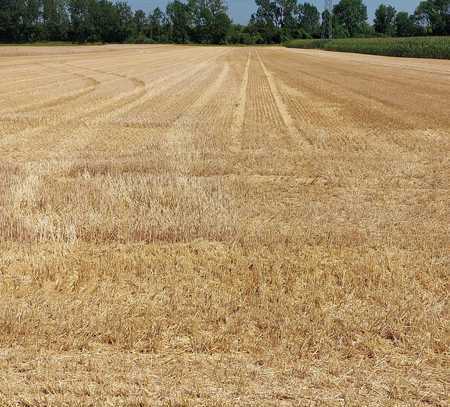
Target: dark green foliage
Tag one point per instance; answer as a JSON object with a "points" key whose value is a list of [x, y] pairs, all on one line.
{"points": [[281, 20], [155, 29], [139, 21], [81, 21], [435, 16], [207, 22], [406, 26], [55, 20], [179, 17], [385, 20], [82, 17], [415, 47], [19, 20], [351, 15], [238, 34], [309, 19]]}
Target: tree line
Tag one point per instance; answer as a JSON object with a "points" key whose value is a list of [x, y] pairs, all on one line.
{"points": [[208, 22], [281, 20]]}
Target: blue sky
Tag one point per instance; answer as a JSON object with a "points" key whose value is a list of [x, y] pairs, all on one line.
{"points": [[241, 9]]}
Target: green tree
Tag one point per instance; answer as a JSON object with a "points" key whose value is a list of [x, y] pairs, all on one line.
{"points": [[125, 21], [197, 16], [384, 22], [287, 10], [218, 22], [288, 19], [7, 20], [267, 13], [82, 28], [140, 22], [156, 23], [209, 21], [179, 17], [264, 22], [405, 25], [55, 20], [29, 25], [106, 19], [308, 18], [327, 25], [275, 20], [435, 16], [352, 16]]}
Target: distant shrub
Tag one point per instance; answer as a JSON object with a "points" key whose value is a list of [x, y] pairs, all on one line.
{"points": [[141, 39], [414, 47]]}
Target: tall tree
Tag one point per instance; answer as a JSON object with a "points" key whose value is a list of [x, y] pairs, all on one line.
{"points": [[435, 15], [267, 13], [209, 21], [156, 23], [308, 18], [179, 17], [217, 20], [266, 22], [125, 20], [140, 21], [327, 24], [275, 20], [29, 24], [55, 20], [287, 10], [352, 15], [405, 25], [106, 21], [9, 19], [82, 28], [384, 22]]}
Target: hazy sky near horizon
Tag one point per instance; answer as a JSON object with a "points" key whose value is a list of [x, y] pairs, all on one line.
{"points": [[242, 9]]}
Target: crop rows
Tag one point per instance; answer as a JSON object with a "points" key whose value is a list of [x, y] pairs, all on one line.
{"points": [[412, 47]]}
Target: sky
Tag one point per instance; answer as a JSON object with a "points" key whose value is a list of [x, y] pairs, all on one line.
{"points": [[242, 9]]}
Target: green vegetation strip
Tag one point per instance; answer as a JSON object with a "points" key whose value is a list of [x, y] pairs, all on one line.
{"points": [[414, 47]]}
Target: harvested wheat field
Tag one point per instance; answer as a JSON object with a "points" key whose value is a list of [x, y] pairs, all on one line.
{"points": [[219, 226]]}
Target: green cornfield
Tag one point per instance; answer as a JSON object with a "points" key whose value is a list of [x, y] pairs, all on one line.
{"points": [[413, 47]]}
